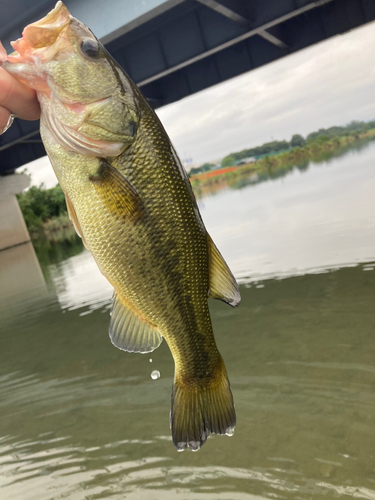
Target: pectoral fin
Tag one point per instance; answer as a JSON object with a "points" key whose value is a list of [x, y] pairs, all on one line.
{"points": [[129, 332], [118, 195], [73, 217], [223, 285]]}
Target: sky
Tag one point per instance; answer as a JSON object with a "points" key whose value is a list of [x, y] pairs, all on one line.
{"points": [[330, 83]]}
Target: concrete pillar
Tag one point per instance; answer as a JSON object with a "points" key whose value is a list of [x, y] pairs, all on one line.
{"points": [[21, 279], [13, 230]]}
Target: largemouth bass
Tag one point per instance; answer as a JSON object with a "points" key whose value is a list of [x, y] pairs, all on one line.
{"points": [[131, 202]]}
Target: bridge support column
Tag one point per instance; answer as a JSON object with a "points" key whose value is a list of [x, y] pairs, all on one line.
{"points": [[13, 230], [22, 283]]}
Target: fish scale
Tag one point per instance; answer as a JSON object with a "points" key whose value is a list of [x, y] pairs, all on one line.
{"points": [[131, 202]]}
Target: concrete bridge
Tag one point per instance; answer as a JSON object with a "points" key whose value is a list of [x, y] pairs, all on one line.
{"points": [[172, 49]]}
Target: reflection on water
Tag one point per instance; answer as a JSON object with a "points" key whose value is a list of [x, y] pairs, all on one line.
{"points": [[57, 247], [78, 283], [80, 419], [318, 219]]}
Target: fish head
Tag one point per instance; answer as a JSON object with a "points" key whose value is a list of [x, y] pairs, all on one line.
{"points": [[88, 104]]}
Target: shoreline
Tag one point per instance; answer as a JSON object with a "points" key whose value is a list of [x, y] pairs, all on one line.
{"points": [[279, 164]]}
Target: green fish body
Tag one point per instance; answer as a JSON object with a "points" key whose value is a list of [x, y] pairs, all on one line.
{"points": [[131, 202]]}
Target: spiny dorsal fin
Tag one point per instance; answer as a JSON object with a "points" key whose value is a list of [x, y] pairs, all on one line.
{"points": [[117, 193], [129, 332], [73, 217], [223, 285]]}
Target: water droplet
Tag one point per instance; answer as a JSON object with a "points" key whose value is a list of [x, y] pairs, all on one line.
{"points": [[150, 360], [155, 375], [229, 431]]}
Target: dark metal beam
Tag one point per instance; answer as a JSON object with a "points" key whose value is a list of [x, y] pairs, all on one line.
{"points": [[141, 20], [260, 30], [224, 11], [233, 16], [20, 140], [273, 39]]}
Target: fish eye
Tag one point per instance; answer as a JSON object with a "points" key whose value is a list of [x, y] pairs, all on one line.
{"points": [[90, 48]]}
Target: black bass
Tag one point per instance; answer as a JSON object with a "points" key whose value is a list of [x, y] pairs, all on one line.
{"points": [[131, 202]]}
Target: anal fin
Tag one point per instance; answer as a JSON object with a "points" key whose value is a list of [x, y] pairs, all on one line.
{"points": [[223, 285], [129, 332]]}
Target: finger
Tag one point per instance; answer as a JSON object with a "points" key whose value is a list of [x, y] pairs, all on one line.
{"points": [[17, 98], [5, 115]]}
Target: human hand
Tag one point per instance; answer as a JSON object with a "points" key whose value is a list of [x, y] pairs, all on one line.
{"points": [[16, 99]]}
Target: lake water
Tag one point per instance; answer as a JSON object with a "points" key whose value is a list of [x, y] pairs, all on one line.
{"points": [[80, 419]]}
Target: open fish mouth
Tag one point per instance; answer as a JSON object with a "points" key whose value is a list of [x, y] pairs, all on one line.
{"points": [[38, 41], [41, 34]]}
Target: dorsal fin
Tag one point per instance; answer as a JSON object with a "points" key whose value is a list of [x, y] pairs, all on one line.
{"points": [[223, 285], [73, 217], [129, 332]]}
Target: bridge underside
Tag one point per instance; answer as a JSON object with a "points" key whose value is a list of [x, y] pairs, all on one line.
{"points": [[184, 46]]}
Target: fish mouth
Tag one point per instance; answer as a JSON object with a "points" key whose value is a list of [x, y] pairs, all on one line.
{"points": [[39, 37], [40, 42], [44, 32]]}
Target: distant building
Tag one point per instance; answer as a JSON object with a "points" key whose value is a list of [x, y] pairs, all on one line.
{"points": [[188, 164], [246, 161]]}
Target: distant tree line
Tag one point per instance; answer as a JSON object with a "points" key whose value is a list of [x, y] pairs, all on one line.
{"points": [[267, 148], [354, 126], [296, 141], [203, 168]]}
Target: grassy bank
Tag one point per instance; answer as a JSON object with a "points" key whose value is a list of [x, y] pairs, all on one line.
{"points": [[318, 149]]}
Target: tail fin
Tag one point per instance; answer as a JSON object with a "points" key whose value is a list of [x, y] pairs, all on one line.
{"points": [[198, 409]]}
